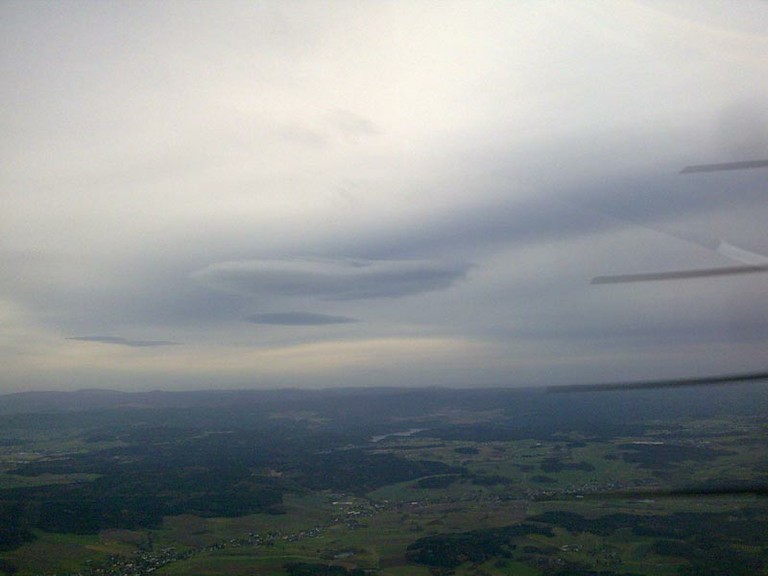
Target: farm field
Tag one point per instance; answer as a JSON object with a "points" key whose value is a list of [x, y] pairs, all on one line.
{"points": [[345, 488]]}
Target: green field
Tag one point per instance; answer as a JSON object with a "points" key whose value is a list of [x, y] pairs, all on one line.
{"points": [[605, 503]]}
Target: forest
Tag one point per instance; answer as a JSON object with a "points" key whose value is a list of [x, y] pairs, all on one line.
{"points": [[346, 482]]}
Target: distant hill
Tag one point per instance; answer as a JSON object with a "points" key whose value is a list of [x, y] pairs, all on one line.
{"points": [[94, 399], [523, 406]]}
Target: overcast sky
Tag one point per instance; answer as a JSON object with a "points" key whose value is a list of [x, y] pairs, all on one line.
{"points": [[267, 194]]}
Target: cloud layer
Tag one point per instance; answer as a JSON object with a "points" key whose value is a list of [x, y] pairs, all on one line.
{"points": [[123, 341], [380, 194], [299, 319], [330, 279]]}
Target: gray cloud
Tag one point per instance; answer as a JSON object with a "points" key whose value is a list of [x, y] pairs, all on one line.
{"points": [[351, 124], [745, 165], [545, 161], [124, 341], [331, 279], [573, 201], [299, 319]]}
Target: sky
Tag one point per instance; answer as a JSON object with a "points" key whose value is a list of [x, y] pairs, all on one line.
{"points": [[201, 195]]}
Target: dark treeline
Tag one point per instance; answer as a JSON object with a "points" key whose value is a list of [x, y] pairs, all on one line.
{"points": [[662, 455], [139, 495], [313, 569], [555, 465], [162, 471], [713, 543], [451, 550]]}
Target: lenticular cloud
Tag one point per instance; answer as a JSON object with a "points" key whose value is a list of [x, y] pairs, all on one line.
{"points": [[331, 279]]}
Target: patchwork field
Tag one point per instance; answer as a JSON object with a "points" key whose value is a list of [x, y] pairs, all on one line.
{"points": [[463, 492]]}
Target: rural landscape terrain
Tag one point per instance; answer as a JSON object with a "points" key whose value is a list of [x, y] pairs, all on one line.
{"points": [[403, 288], [385, 481]]}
